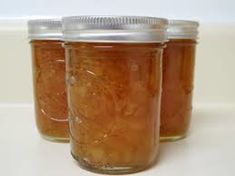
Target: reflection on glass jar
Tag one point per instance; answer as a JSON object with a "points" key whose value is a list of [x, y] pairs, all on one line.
{"points": [[48, 58], [114, 92], [178, 71]]}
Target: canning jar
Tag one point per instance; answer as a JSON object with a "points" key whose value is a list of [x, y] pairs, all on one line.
{"points": [[113, 67], [48, 58], [178, 73]]}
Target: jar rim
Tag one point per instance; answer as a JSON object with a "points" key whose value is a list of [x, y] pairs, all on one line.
{"points": [[135, 29], [182, 29], [45, 29]]}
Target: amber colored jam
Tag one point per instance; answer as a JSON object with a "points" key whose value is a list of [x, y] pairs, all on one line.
{"points": [[114, 105], [49, 89], [176, 104]]}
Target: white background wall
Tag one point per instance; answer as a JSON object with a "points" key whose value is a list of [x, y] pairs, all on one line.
{"points": [[215, 64], [204, 10]]}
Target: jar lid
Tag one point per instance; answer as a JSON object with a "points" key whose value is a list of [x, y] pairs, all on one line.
{"points": [[45, 29], [123, 29], [182, 29]]}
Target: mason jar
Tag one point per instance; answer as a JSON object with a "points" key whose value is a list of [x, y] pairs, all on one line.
{"points": [[114, 73], [178, 74], [48, 58]]}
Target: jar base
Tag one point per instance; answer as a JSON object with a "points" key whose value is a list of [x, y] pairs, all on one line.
{"points": [[172, 138], [55, 139], [108, 170]]}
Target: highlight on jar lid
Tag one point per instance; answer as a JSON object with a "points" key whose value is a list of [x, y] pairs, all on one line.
{"points": [[45, 29], [182, 29], [129, 29]]}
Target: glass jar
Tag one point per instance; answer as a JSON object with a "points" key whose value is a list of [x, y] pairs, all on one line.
{"points": [[114, 87], [178, 71], [50, 98]]}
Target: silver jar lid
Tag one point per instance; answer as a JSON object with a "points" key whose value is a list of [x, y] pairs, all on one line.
{"points": [[114, 29], [182, 29], [45, 29]]}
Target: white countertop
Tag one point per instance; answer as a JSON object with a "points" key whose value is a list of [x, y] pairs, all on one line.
{"points": [[209, 150]]}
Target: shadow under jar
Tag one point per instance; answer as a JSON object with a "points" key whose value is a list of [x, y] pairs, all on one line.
{"points": [[50, 98], [114, 85], [178, 73]]}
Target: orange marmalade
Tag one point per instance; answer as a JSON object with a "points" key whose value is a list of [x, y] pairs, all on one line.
{"points": [[114, 90], [178, 74], [48, 58]]}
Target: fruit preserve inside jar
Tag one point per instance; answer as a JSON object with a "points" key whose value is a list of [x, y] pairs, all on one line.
{"points": [[114, 102], [49, 89]]}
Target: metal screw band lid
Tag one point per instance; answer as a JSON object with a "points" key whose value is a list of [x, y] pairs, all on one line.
{"points": [[182, 29], [45, 29], [134, 29]]}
